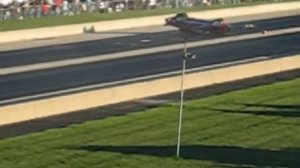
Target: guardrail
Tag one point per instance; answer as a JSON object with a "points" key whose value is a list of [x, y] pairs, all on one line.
{"points": [[104, 96]]}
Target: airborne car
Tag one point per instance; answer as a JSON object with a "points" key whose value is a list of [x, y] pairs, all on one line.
{"points": [[192, 25]]}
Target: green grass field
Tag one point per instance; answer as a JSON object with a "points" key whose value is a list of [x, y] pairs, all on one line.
{"points": [[255, 128], [92, 17]]}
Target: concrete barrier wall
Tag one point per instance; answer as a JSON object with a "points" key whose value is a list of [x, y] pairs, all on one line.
{"points": [[79, 101], [57, 31]]}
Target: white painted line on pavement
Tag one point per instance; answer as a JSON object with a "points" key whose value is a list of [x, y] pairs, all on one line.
{"points": [[90, 87], [139, 52]]}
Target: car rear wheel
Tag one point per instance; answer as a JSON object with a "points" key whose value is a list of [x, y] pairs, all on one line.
{"points": [[216, 24]]}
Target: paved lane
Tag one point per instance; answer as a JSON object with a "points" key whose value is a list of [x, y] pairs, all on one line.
{"points": [[17, 85], [127, 32], [131, 42]]}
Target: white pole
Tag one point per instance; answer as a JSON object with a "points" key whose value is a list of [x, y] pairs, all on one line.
{"points": [[181, 100]]}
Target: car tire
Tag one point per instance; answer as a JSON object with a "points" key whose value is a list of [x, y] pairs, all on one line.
{"points": [[216, 24]]}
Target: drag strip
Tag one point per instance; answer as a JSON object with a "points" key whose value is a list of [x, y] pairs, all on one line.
{"points": [[140, 52], [18, 85], [132, 41]]}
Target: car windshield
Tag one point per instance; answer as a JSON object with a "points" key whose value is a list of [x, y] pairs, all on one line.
{"points": [[181, 17]]}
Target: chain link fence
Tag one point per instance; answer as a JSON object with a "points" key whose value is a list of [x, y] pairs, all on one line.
{"points": [[20, 9]]}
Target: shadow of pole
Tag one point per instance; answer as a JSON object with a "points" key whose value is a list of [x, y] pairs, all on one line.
{"points": [[239, 156], [266, 110]]}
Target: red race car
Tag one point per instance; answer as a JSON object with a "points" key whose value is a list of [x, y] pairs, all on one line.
{"points": [[192, 25]]}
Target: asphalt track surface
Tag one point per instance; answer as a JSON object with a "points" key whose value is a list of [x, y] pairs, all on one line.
{"points": [[30, 83], [97, 47], [60, 121]]}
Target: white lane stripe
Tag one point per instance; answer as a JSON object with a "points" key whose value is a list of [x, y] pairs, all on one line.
{"points": [[90, 87], [139, 52]]}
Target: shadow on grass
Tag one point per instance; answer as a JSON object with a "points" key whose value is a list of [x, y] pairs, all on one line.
{"points": [[239, 156], [268, 110], [284, 107]]}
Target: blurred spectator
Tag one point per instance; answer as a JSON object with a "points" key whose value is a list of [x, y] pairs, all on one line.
{"points": [[35, 8], [101, 7], [76, 7], [19, 9], [143, 4], [83, 7], [65, 8], [119, 7], [5, 12], [5, 3], [152, 4], [207, 2], [25, 9], [45, 8], [58, 6]]}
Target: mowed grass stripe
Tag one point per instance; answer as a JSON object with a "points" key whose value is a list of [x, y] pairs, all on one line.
{"points": [[257, 127]]}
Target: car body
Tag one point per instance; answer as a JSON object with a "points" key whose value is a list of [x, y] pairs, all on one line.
{"points": [[193, 25]]}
